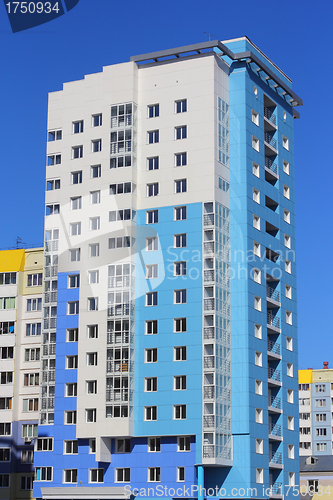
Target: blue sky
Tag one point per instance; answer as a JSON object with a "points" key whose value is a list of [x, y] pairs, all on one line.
{"points": [[294, 34]]}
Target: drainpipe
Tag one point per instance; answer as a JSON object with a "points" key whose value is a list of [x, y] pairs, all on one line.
{"points": [[201, 482]]}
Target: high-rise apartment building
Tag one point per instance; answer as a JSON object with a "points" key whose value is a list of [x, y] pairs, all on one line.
{"points": [[20, 344], [315, 411], [169, 330]]}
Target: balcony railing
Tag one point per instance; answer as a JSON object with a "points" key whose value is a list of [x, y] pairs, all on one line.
{"points": [[209, 247], [274, 374], [275, 458], [273, 347], [270, 140], [269, 114], [273, 320], [119, 281], [118, 338], [209, 392], [209, 361], [274, 402], [272, 293], [208, 219], [117, 366], [209, 275], [209, 304], [117, 395], [275, 489], [275, 429], [209, 332], [119, 310], [271, 165], [209, 421]]}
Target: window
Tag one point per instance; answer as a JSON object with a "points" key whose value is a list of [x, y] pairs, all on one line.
{"points": [[152, 189], [256, 195], [152, 163], [286, 192], [32, 304], [28, 404], [320, 403], [35, 279], [71, 447], [95, 171], [7, 278], [154, 444], [123, 446], [287, 241], [321, 447], [54, 135], [179, 325], [96, 145], [4, 480], [94, 223], [6, 378], [52, 209], [76, 203], [43, 473], [154, 474], [151, 299], [75, 229], [70, 417], [320, 388], [152, 216], [179, 412], [255, 169], [71, 390], [91, 415], [6, 404], [255, 117], [151, 244], [91, 358], [75, 255], [77, 152], [286, 167], [44, 444], [71, 362], [96, 120], [179, 240], [153, 136], [126, 214], [287, 266], [180, 186], [151, 384], [288, 292], [291, 478], [180, 159], [78, 127], [152, 271], [180, 213], [257, 275], [153, 110], [289, 343], [181, 106], [289, 318], [258, 358], [285, 142], [96, 475], [72, 335], [120, 242], [92, 446], [180, 132], [95, 197], [256, 249], [32, 329], [321, 431], [179, 296], [259, 476], [184, 443], [290, 396], [94, 250], [256, 222], [179, 353], [224, 185], [123, 475], [93, 277], [29, 430], [151, 327], [259, 446], [26, 482], [70, 475], [73, 307], [257, 303], [6, 429], [151, 355], [291, 423], [73, 281], [258, 331], [179, 268], [31, 354], [287, 216], [313, 486], [150, 412], [290, 369], [258, 387], [179, 383], [76, 177], [255, 143], [91, 386], [53, 160]]}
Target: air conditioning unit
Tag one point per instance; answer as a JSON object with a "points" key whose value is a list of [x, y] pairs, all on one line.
{"points": [[27, 440]]}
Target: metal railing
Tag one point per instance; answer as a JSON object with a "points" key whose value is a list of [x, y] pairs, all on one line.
{"points": [[209, 304], [119, 281], [117, 395], [118, 338], [209, 332], [274, 402], [209, 361], [208, 219], [272, 293], [275, 429], [117, 366], [269, 114], [209, 392], [273, 347], [269, 139], [275, 458], [209, 421], [274, 374], [273, 320], [209, 275], [119, 310], [271, 165], [275, 489], [209, 247]]}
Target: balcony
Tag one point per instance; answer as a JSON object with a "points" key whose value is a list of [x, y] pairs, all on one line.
{"points": [[209, 275], [117, 338], [209, 332], [208, 219], [272, 294], [274, 404], [270, 116], [274, 376], [275, 490], [273, 322], [120, 395], [270, 144], [273, 349], [275, 432], [117, 366], [209, 421], [209, 361], [209, 392], [119, 310], [209, 247], [209, 304], [275, 460]]}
